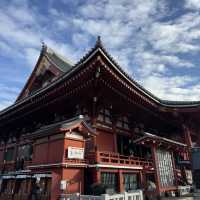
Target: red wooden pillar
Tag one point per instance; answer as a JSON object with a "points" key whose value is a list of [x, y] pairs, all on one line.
{"points": [[115, 139], [64, 156], [98, 176], [95, 143], [17, 143], [157, 174], [188, 140], [174, 169], [48, 147], [141, 177], [187, 136], [4, 150], [33, 153], [94, 111], [97, 171], [120, 178]]}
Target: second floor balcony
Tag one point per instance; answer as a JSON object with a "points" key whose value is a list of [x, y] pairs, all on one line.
{"points": [[7, 166], [118, 160]]}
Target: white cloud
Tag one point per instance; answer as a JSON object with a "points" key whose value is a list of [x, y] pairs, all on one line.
{"points": [[12, 31], [151, 62], [192, 4], [21, 14], [32, 56], [122, 28], [134, 32], [173, 88], [8, 95], [79, 38], [7, 50], [4, 88], [5, 103], [115, 21], [173, 38], [23, 31]]}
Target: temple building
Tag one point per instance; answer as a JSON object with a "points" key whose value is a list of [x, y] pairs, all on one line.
{"points": [[90, 128]]}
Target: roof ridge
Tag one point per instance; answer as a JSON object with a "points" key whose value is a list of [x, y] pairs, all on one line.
{"points": [[99, 45], [78, 117]]}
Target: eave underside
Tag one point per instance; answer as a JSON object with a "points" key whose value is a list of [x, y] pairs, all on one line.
{"points": [[134, 91]]}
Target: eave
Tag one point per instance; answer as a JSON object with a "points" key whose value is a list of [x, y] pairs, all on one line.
{"points": [[64, 126], [166, 106], [159, 141]]}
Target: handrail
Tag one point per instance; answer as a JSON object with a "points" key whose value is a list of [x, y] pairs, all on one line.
{"points": [[116, 158], [76, 161]]}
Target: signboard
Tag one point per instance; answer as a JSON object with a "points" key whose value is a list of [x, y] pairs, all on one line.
{"points": [[75, 153], [63, 184]]}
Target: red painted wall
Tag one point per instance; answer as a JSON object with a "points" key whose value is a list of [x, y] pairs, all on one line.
{"points": [[74, 143], [1, 155], [56, 151], [40, 153], [55, 185], [105, 141], [76, 176], [49, 152]]}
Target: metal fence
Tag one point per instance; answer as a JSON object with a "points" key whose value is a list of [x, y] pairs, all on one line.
{"points": [[134, 195], [183, 190]]}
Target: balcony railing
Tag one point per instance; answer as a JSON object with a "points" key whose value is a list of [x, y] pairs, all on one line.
{"points": [[76, 161], [111, 158], [98, 157], [12, 165]]}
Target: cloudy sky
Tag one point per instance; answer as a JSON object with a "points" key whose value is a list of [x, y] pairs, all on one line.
{"points": [[156, 41]]}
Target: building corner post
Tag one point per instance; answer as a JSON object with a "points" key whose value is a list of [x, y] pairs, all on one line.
{"points": [[157, 178]]}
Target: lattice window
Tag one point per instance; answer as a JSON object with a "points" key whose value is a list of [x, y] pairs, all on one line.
{"points": [[110, 180], [123, 122], [104, 116], [9, 154], [165, 168], [25, 152], [130, 182]]}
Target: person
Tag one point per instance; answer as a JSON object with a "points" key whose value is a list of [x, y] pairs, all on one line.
{"points": [[151, 186], [35, 192]]}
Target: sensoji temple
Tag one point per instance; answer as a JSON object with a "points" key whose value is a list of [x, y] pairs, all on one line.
{"points": [[89, 127]]}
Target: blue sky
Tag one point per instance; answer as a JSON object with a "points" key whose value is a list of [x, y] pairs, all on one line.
{"points": [[156, 41]]}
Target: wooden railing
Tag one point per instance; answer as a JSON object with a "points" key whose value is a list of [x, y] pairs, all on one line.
{"points": [[98, 157], [76, 161], [7, 196], [7, 166], [11, 165], [117, 159]]}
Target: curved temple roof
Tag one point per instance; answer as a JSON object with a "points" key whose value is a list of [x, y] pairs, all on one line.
{"points": [[64, 126], [47, 57], [62, 63], [65, 66]]}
